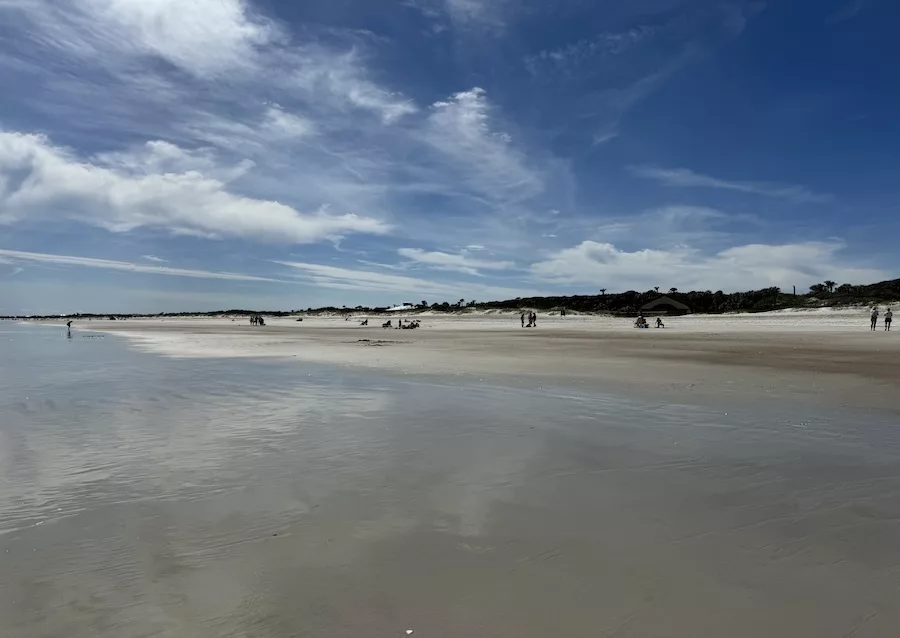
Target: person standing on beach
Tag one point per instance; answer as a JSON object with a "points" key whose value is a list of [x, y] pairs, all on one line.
{"points": [[534, 320], [874, 317], [69, 328], [888, 317], [522, 317]]}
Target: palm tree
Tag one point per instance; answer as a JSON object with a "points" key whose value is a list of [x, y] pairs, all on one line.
{"points": [[673, 290], [830, 285], [656, 288], [603, 291]]}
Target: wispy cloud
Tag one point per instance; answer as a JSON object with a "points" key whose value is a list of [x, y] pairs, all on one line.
{"points": [[457, 262], [461, 129], [483, 12], [154, 259], [113, 59], [367, 280], [673, 226], [686, 178], [603, 138], [466, 14], [570, 58], [846, 12], [203, 37], [339, 80], [109, 264]]}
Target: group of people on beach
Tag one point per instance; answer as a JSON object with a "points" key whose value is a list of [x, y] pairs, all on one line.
{"points": [[410, 324], [641, 322], [888, 318], [532, 320], [256, 320]]}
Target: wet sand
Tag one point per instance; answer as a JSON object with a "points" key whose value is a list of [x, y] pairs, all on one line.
{"points": [[795, 358], [202, 497]]}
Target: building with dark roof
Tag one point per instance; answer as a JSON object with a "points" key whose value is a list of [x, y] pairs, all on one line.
{"points": [[667, 306]]}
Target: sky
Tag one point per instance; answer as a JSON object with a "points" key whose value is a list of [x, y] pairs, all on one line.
{"points": [[165, 155]]}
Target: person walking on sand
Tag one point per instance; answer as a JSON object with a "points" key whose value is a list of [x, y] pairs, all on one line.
{"points": [[888, 317], [874, 317], [522, 317], [534, 320]]}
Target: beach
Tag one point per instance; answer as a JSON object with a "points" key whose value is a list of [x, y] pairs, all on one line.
{"points": [[725, 476], [828, 356]]}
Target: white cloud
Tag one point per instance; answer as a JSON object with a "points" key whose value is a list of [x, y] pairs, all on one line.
{"points": [[461, 130], [155, 259], [459, 262], [41, 182], [367, 281], [287, 125], [686, 178], [203, 37], [315, 130], [108, 264], [340, 80], [737, 268], [152, 157]]}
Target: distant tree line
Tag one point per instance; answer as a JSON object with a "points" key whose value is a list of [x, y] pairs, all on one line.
{"points": [[827, 293]]}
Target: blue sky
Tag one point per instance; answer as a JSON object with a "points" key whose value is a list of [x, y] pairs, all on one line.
{"points": [[202, 154]]}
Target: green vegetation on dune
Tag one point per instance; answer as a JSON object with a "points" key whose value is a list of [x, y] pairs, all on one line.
{"points": [[826, 294]]}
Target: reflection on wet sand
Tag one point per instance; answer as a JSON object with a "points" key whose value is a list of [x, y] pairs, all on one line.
{"points": [[147, 497]]}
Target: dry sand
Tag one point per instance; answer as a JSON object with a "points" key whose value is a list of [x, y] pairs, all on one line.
{"points": [[828, 356]]}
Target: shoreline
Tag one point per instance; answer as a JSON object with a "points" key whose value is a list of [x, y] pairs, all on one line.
{"points": [[712, 357]]}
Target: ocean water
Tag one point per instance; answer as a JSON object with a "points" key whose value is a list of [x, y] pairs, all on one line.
{"points": [[144, 496]]}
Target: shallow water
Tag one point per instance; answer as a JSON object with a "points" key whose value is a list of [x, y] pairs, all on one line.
{"points": [[144, 496]]}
